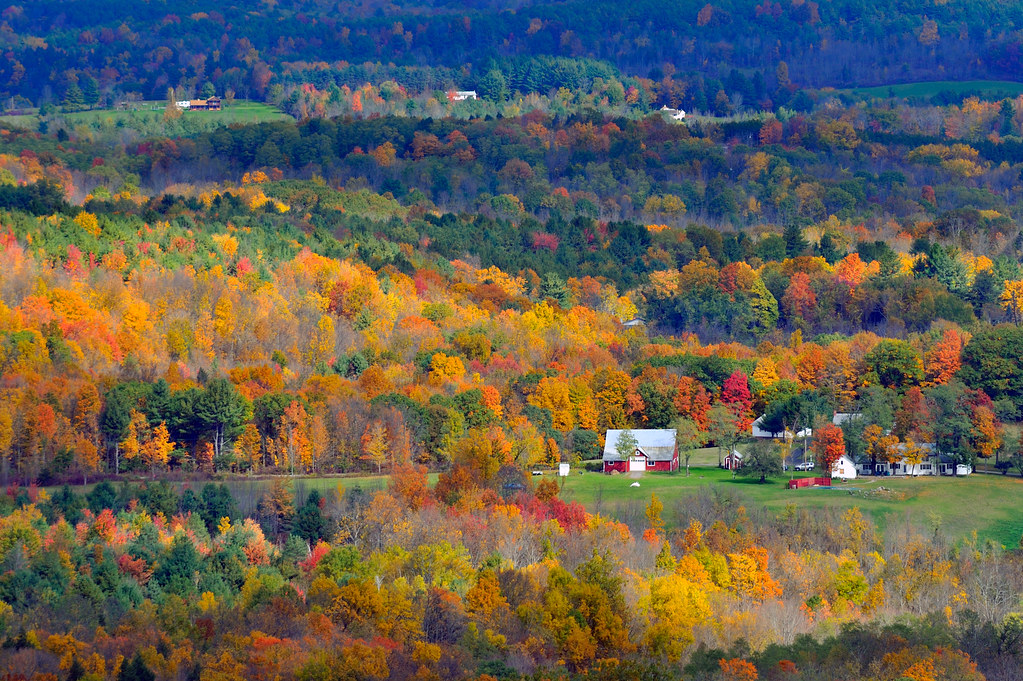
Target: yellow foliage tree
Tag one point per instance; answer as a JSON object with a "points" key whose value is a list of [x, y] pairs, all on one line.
{"points": [[159, 447], [249, 446], [138, 434], [375, 445], [444, 368], [673, 607], [1012, 300], [552, 393], [766, 372], [322, 342], [87, 221]]}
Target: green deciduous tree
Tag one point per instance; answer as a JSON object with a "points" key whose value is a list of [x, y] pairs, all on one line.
{"points": [[762, 459], [993, 362], [689, 438], [626, 445], [894, 364]]}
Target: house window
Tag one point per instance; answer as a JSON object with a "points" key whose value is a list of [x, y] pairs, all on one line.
{"points": [[925, 466], [650, 463]]}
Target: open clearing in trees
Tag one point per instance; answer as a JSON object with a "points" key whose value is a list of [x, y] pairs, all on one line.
{"points": [[925, 502]]}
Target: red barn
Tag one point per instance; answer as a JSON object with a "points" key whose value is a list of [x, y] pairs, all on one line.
{"points": [[656, 450]]}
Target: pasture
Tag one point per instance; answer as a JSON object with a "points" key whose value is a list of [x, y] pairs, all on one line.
{"points": [[988, 89], [989, 505], [148, 117]]}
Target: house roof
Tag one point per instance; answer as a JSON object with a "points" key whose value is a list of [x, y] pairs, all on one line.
{"points": [[656, 445], [757, 430], [928, 447]]}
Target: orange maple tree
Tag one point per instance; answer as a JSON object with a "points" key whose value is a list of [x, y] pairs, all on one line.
{"points": [[828, 446]]}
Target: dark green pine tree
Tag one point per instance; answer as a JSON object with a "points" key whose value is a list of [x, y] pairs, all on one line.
{"points": [[553, 288], [178, 570], [493, 86], [795, 244], [90, 91], [115, 419], [135, 670], [220, 410], [74, 100]]}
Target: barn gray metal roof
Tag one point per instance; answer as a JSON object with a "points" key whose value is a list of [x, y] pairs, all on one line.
{"points": [[655, 444]]}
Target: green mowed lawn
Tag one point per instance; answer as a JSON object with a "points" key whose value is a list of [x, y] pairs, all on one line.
{"points": [[238, 112], [247, 491], [29, 121], [931, 88], [990, 505]]}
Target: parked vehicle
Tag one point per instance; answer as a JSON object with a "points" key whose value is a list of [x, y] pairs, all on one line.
{"points": [[805, 466]]}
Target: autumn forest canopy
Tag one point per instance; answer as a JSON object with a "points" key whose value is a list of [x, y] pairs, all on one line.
{"points": [[303, 303]]}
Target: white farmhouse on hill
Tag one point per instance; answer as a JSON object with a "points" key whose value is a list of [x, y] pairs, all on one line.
{"points": [[675, 114]]}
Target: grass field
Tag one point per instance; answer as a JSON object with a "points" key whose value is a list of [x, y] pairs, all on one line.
{"points": [[247, 491], [988, 504], [737, 118], [991, 505], [707, 457], [240, 111], [989, 88]]}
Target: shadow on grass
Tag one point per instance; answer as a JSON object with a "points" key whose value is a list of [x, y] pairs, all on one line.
{"points": [[770, 482]]}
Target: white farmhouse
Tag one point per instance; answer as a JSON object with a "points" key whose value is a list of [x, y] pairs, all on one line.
{"points": [[674, 114], [844, 468]]}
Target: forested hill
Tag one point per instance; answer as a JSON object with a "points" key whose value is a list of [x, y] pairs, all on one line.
{"points": [[120, 47]]}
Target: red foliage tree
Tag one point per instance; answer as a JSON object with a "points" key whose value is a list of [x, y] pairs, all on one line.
{"points": [[692, 400], [828, 446], [913, 419], [736, 394], [799, 300]]}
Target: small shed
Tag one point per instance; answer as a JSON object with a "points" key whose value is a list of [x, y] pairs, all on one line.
{"points": [[656, 450], [732, 460]]}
